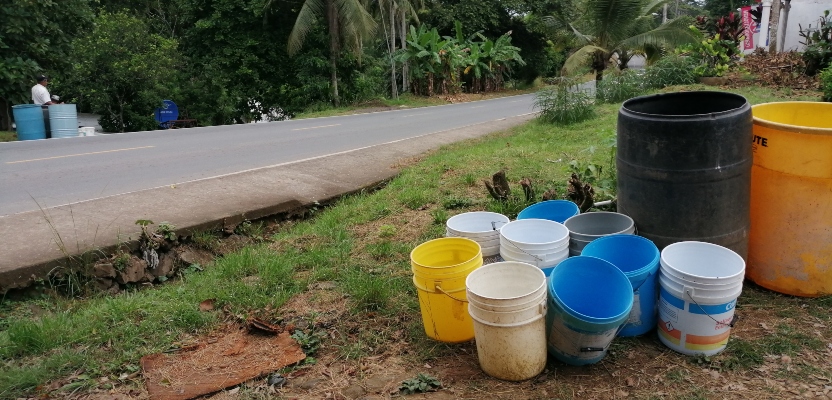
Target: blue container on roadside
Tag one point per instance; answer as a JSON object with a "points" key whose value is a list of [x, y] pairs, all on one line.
{"points": [[63, 120], [29, 121], [589, 301], [638, 258], [553, 210]]}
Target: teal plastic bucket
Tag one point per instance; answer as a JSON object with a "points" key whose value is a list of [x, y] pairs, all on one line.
{"points": [[553, 210], [29, 121], [63, 120], [638, 258], [589, 300]]}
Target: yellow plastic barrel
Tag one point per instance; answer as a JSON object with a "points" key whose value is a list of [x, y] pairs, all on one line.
{"points": [[790, 242], [440, 267]]}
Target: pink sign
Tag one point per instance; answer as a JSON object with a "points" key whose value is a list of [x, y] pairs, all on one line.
{"points": [[748, 26]]}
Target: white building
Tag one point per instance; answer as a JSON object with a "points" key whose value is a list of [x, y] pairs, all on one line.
{"points": [[800, 13]]}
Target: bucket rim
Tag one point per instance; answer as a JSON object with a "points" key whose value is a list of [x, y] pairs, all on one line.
{"points": [[507, 264], [701, 294], [653, 264], [574, 207], [665, 96], [789, 127], [578, 235], [573, 312], [729, 252], [553, 224], [500, 218], [468, 242]]}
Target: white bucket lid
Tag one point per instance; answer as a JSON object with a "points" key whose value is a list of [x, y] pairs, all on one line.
{"points": [[701, 262]]}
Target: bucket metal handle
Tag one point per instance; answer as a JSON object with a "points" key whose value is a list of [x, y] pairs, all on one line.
{"points": [[734, 319], [439, 289]]}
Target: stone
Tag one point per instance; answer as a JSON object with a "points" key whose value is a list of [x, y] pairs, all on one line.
{"points": [[135, 271], [103, 284], [195, 256], [310, 384], [377, 384], [165, 266], [104, 270], [353, 392]]}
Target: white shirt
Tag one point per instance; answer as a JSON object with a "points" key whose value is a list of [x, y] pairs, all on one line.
{"points": [[40, 95]]}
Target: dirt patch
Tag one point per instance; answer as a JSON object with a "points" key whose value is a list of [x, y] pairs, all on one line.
{"points": [[218, 362]]}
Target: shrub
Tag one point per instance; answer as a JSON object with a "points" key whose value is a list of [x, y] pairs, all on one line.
{"points": [[826, 83], [671, 70], [564, 104], [620, 86], [818, 41]]}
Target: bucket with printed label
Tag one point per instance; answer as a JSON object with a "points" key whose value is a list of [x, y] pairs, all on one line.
{"points": [[699, 284], [589, 300]]}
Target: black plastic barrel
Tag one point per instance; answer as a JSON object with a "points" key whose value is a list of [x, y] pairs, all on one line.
{"points": [[684, 167]]}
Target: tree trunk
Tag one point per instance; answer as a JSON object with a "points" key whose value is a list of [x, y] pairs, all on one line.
{"points": [[403, 39], [774, 22], [332, 19], [6, 121], [782, 39], [664, 14], [394, 92]]}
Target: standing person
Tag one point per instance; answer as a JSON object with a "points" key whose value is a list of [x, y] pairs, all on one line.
{"points": [[40, 95]]}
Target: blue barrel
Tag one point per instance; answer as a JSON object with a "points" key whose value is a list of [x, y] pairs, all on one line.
{"points": [[553, 210], [63, 118], [638, 258], [29, 121], [589, 300]]}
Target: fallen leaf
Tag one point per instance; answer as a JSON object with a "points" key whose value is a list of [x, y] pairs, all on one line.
{"points": [[234, 391], [631, 382], [259, 324], [621, 393], [207, 305], [785, 359], [763, 324]]}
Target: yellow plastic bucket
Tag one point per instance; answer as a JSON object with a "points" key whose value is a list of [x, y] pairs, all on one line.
{"points": [[440, 267], [790, 242]]}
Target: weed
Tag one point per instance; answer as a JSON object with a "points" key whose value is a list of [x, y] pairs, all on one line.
{"points": [[469, 179], [617, 87], [387, 231], [310, 342], [254, 230], [422, 383], [562, 106], [167, 230], [121, 260], [206, 240], [370, 292], [453, 203], [440, 216]]}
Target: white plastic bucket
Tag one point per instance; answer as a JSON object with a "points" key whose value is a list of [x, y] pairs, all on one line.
{"points": [[534, 234], [541, 261], [511, 345], [479, 226], [699, 284], [86, 131], [476, 224]]}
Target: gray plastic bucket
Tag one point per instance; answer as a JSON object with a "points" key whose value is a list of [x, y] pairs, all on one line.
{"points": [[584, 228]]}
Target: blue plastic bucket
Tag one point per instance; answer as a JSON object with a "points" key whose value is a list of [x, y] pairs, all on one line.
{"points": [[553, 210], [589, 300], [638, 259], [63, 119], [29, 121]]}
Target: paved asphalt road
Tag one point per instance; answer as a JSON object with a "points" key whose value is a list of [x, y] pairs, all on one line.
{"points": [[55, 172]]}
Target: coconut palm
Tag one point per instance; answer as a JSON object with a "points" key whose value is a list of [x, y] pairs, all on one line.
{"points": [[620, 27], [348, 23]]}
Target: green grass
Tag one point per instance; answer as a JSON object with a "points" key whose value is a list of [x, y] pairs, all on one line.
{"points": [[362, 243], [404, 101], [6, 136]]}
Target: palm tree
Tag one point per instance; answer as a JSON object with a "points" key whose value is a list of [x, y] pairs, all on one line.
{"points": [[620, 27], [347, 22]]}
